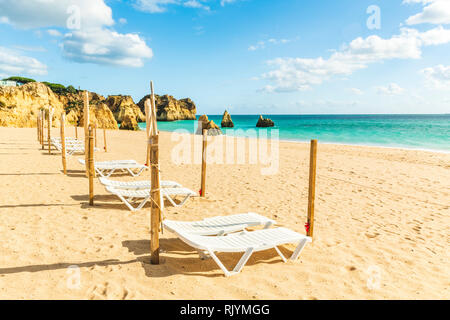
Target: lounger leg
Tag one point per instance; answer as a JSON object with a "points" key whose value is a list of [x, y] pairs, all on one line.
{"points": [[170, 199], [127, 203], [239, 265], [281, 255], [299, 249], [243, 261], [111, 173]]}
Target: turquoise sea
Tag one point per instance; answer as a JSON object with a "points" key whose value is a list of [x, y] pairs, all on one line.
{"points": [[429, 132]]}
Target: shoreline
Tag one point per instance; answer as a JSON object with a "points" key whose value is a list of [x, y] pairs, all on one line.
{"points": [[330, 143]]}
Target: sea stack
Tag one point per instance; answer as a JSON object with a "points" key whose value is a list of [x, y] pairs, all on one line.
{"points": [[129, 122], [205, 123], [264, 123], [226, 120]]}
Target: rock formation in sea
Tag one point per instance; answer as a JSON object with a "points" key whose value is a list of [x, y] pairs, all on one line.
{"points": [[170, 109], [205, 123], [227, 122], [264, 123], [129, 123]]}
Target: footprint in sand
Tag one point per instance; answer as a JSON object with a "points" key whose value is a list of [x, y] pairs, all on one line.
{"points": [[372, 236], [108, 291]]}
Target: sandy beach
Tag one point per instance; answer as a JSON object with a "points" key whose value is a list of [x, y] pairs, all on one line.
{"points": [[381, 228]]}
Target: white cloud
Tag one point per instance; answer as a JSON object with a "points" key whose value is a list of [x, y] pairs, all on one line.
{"points": [[437, 77], [92, 41], [297, 74], [54, 33], [434, 12], [123, 21], [29, 14], [159, 6], [12, 63], [103, 46], [357, 91], [392, 89], [263, 44]]}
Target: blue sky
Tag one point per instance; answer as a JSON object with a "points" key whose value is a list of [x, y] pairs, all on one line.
{"points": [[247, 56]]}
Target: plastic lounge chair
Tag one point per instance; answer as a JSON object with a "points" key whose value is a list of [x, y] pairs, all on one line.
{"points": [[246, 242], [136, 185], [128, 196], [107, 168], [218, 226]]}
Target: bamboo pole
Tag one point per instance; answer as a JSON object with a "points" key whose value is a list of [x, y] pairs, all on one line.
{"points": [[95, 134], [49, 135], [91, 165], [104, 140], [37, 127], [43, 129], [63, 142], [86, 131], [312, 188], [155, 182], [156, 199], [147, 127], [204, 148]]}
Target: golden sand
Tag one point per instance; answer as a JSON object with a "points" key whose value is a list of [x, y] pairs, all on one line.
{"points": [[381, 230]]}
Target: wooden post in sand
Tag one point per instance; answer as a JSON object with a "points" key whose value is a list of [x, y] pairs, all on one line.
{"points": [[63, 142], [147, 128], [50, 118], [155, 192], [43, 128], [204, 148], [86, 131], [312, 188], [91, 172], [104, 140], [76, 131], [95, 133], [37, 126]]}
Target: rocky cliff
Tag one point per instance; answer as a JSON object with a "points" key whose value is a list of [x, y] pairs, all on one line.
{"points": [[170, 109], [20, 105], [123, 107]]}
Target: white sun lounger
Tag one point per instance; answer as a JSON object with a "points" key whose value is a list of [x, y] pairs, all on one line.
{"points": [[128, 196], [71, 148], [246, 242], [136, 185], [220, 225], [107, 168]]}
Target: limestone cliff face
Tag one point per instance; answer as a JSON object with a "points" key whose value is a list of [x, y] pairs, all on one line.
{"points": [[123, 107], [99, 112], [170, 109], [19, 106]]}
